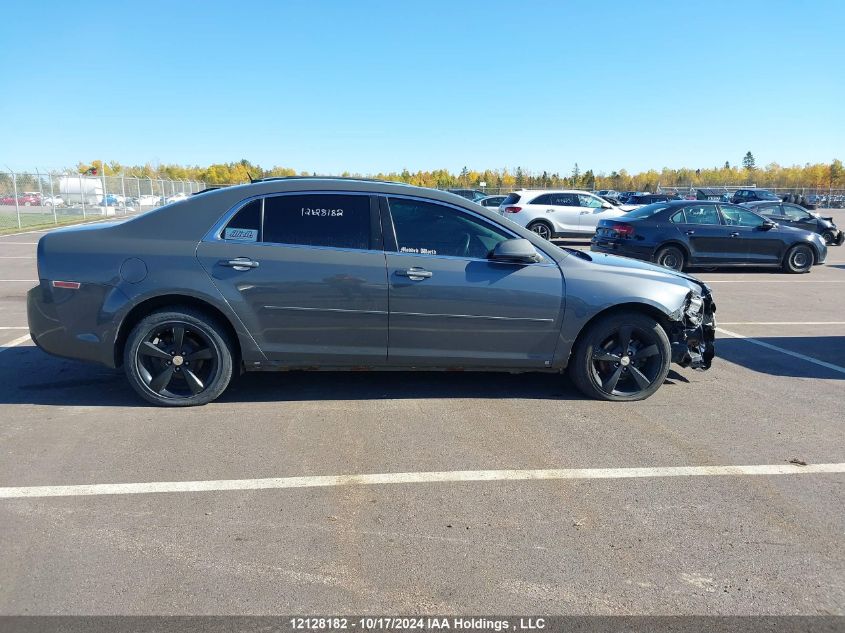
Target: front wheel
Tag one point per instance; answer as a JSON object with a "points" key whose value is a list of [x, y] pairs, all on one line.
{"points": [[621, 357], [829, 237], [799, 259], [178, 358], [542, 229]]}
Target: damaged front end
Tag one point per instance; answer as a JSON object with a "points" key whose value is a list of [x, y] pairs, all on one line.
{"points": [[692, 331]]}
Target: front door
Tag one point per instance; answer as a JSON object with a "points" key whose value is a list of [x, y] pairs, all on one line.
{"points": [[309, 280], [450, 306], [756, 245]]}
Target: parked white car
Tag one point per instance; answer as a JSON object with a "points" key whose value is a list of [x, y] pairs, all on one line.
{"points": [[176, 197], [52, 201], [148, 200], [558, 213]]}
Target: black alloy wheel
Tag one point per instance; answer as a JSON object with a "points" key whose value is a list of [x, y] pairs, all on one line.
{"points": [[622, 357], [178, 359]]}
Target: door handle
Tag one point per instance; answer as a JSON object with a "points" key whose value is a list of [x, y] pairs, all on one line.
{"points": [[239, 263], [689, 232], [415, 274], [735, 234]]}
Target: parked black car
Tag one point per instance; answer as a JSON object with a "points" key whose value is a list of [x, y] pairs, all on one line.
{"points": [[750, 195], [705, 233], [491, 202], [470, 194], [795, 215]]}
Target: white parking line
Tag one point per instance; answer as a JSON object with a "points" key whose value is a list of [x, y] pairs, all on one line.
{"points": [[13, 327], [455, 476], [18, 281], [17, 256], [775, 348], [5, 347], [20, 243], [782, 322]]}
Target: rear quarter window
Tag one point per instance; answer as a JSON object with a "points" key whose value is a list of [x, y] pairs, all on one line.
{"points": [[245, 226], [512, 198]]}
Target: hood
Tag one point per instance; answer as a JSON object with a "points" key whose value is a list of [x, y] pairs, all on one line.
{"points": [[614, 264]]}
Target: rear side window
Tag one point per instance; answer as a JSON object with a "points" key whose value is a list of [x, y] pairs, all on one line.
{"points": [[335, 221], [245, 226], [565, 200], [546, 198], [512, 198], [702, 214], [678, 218]]}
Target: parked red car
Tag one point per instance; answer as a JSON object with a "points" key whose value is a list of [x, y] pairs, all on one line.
{"points": [[24, 199]]}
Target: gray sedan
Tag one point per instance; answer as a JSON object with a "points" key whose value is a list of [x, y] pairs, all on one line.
{"points": [[309, 273]]}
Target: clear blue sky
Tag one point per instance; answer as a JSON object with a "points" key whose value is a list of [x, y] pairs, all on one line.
{"points": [[378, 86]]}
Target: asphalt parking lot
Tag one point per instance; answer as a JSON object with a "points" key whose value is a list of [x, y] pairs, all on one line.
{"points": [[720, 542]]}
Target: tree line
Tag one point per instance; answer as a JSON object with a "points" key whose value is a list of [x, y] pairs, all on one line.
{"points": [[811, 175]]}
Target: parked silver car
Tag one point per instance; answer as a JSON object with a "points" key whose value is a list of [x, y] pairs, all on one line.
{"points": [[309, 273]]}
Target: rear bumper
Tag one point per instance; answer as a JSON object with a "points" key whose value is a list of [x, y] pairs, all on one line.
{"points": [[76, 324], [626, 248]]}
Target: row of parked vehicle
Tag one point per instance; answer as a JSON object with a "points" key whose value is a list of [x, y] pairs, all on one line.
{"points": [[38, 199], [748, 230]]}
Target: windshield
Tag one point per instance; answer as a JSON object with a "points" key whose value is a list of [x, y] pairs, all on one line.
{"points": [[647, 211]]}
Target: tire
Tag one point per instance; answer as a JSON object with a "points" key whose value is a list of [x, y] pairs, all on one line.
{"points": [[799, 259], [543, 229], [602, 369], [670, 257], [157, 361], [828, 237]]}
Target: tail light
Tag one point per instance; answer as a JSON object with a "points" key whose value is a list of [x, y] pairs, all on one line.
{"points": [[513, 209], [623, 230]]}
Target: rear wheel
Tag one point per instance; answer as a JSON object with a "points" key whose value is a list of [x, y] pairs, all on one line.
{"points": [[543, 229], [621, 357], [670, 257], [799, 259], [178, 358]]}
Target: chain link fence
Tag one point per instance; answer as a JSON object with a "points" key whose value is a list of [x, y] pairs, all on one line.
{"points": [[37, 199]]}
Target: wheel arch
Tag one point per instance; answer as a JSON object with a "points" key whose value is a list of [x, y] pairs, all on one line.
{"points": [[646, 309], [174, 301], [676, 243]]}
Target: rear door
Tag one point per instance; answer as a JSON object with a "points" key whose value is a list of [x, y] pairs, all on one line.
{"points": [[450, 306], [706, 236], [306, 274], [566, 211]]}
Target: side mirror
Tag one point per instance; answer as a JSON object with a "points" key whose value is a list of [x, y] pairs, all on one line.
{"points": [[517, 251], [768, 225]]}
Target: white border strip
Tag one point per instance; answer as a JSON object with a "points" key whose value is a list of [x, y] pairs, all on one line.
{"points": [[775, 348], [773, 281], [457, 476], [782, 322], [5, 347]]}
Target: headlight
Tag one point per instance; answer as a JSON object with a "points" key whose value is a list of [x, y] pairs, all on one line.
{"points": [[695, 308]]}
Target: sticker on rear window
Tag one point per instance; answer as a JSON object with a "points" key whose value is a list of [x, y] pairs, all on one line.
{"points": [[241, 235]]}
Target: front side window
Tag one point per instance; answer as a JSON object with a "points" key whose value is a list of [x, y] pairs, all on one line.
{"points": [[734, 216], [702, 214], [589, 201], [794, 212], [331, 220], [427, 228]]}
